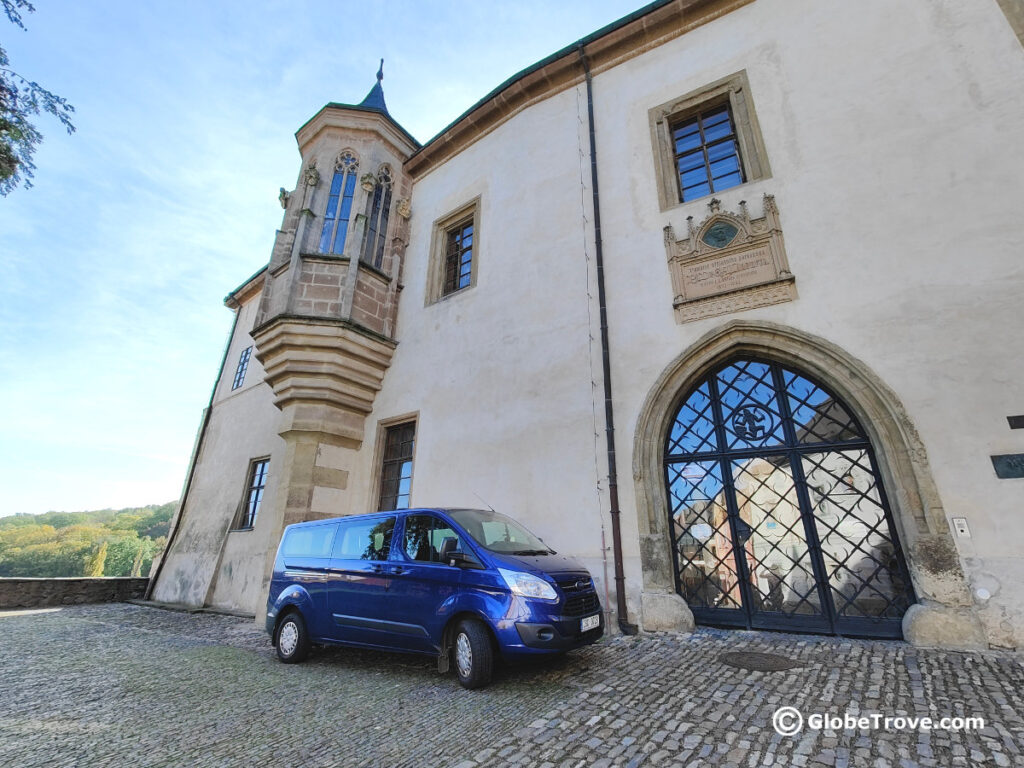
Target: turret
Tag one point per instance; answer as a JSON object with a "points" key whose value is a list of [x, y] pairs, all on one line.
{"points": [[325, 327]]}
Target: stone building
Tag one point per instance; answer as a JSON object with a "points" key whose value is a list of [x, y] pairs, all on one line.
{"points": [[723, 300]]}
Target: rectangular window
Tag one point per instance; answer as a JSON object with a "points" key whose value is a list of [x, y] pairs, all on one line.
{"points": [[396, 467], [254, 492], [243, 366], [706, 153], [454, 252], [707, 141], [364, 539], [314, 541], [424, 535], [458, 257]]}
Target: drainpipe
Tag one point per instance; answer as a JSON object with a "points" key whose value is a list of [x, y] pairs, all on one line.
{"points": [[609, 419], [192, 464]]}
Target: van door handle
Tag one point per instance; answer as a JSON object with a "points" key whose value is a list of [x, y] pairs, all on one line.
{"points": [[398, 570], [377, 568]]}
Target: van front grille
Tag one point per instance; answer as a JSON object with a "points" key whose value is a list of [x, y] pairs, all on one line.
{"points": [[581, 605], [574, 582]]}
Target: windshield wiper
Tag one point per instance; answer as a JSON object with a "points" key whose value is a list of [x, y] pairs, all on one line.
{"points": [[533, 552]]}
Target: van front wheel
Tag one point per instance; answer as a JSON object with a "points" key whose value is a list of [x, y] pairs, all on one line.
{"points": [[292, 639], [474, 658]]}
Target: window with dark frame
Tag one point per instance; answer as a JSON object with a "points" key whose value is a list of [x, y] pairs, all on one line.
{"points": [[458, 257], [707, 141], [243, 366], [424, 535], [339, 205], [707, 155], [377, 223], [396, 467], [254, 493]]}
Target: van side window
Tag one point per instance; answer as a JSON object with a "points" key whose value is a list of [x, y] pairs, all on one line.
{"points": [[424, 535], [314, 541], [365, 540]]}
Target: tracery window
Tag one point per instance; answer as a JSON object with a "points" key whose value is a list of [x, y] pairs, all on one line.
{"points": [[377, 223], [339, 204]]}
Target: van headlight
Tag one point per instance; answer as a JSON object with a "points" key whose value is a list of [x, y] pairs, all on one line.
{"points": [[528, 585]]}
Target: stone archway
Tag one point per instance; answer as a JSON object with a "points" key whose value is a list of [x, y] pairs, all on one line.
{"points": [[943, 615]]}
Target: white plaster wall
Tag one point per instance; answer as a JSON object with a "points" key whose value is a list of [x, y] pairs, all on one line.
{"points": [[243, 426], [498, 374], [892, 131]]}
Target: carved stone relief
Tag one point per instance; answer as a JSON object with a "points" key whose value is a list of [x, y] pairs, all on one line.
{"points": [[729, 263]]}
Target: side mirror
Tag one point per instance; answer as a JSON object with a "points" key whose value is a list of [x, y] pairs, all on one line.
{"points": [[449, 545]]}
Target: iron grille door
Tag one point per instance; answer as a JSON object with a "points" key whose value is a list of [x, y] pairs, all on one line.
{"points": [[777, 511]]}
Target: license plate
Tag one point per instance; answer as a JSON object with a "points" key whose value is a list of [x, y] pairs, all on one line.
{"points": [[589, 623]]}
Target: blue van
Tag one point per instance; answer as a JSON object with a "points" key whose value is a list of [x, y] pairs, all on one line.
{"points": [[458, 584]]}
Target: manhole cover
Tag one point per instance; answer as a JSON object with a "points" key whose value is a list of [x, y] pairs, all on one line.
{"points": [[758, 662]]}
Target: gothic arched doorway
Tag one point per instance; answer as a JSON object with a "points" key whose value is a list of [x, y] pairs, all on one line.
{"points": [[776, 508]]}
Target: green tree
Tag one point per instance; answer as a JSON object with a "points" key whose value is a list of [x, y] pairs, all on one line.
{"points": [[94, 565], [20, 98]]}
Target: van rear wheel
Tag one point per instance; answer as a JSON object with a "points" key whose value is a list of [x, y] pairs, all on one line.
{"points": [[292, 639], [474, 657]]}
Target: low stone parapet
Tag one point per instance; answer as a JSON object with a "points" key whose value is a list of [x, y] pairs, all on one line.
{"points": [[39, 593]]}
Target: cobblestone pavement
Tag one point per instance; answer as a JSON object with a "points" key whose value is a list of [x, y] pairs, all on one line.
{"points": [[123, 685]]}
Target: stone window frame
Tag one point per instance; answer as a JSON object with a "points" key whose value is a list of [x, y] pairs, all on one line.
{"points": [[734, 90], [464, 214], [378, 455], [244, 520]]}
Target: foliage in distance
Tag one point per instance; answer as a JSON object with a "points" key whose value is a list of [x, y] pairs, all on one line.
{"points": [[105, 542], [20, 98]]}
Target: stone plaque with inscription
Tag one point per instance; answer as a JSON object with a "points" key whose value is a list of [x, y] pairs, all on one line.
{"points": [[729, 263]]}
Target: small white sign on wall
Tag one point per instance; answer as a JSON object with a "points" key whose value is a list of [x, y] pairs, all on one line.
{"points": [[960, 526]]}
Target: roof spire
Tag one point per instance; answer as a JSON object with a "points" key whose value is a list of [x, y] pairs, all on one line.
{"points": [[375, 98]]}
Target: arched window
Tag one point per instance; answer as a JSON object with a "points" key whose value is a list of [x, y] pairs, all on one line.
{"points": [[339, 204], [777, 510], [377, 225]]}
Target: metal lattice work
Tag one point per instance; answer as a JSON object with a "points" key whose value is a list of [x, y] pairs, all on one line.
{"points": [[778, 516]]}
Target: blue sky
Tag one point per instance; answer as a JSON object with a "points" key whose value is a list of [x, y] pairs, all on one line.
{"points": [[113, 267]]}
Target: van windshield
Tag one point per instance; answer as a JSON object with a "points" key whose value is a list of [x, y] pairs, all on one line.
{"points": [[498, 533]]}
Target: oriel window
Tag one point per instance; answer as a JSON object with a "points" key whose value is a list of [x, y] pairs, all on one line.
{"points": [[339, 204], [377, 227]]}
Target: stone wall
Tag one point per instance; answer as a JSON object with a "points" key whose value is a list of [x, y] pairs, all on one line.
{"points": [[37, 593]]}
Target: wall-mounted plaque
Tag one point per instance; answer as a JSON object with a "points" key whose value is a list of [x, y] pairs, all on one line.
{"points": [[1009, 465], [729, 263]]}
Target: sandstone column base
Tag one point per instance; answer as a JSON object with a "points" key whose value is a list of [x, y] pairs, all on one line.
{"points": [[933, 625], [665, 612]]}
